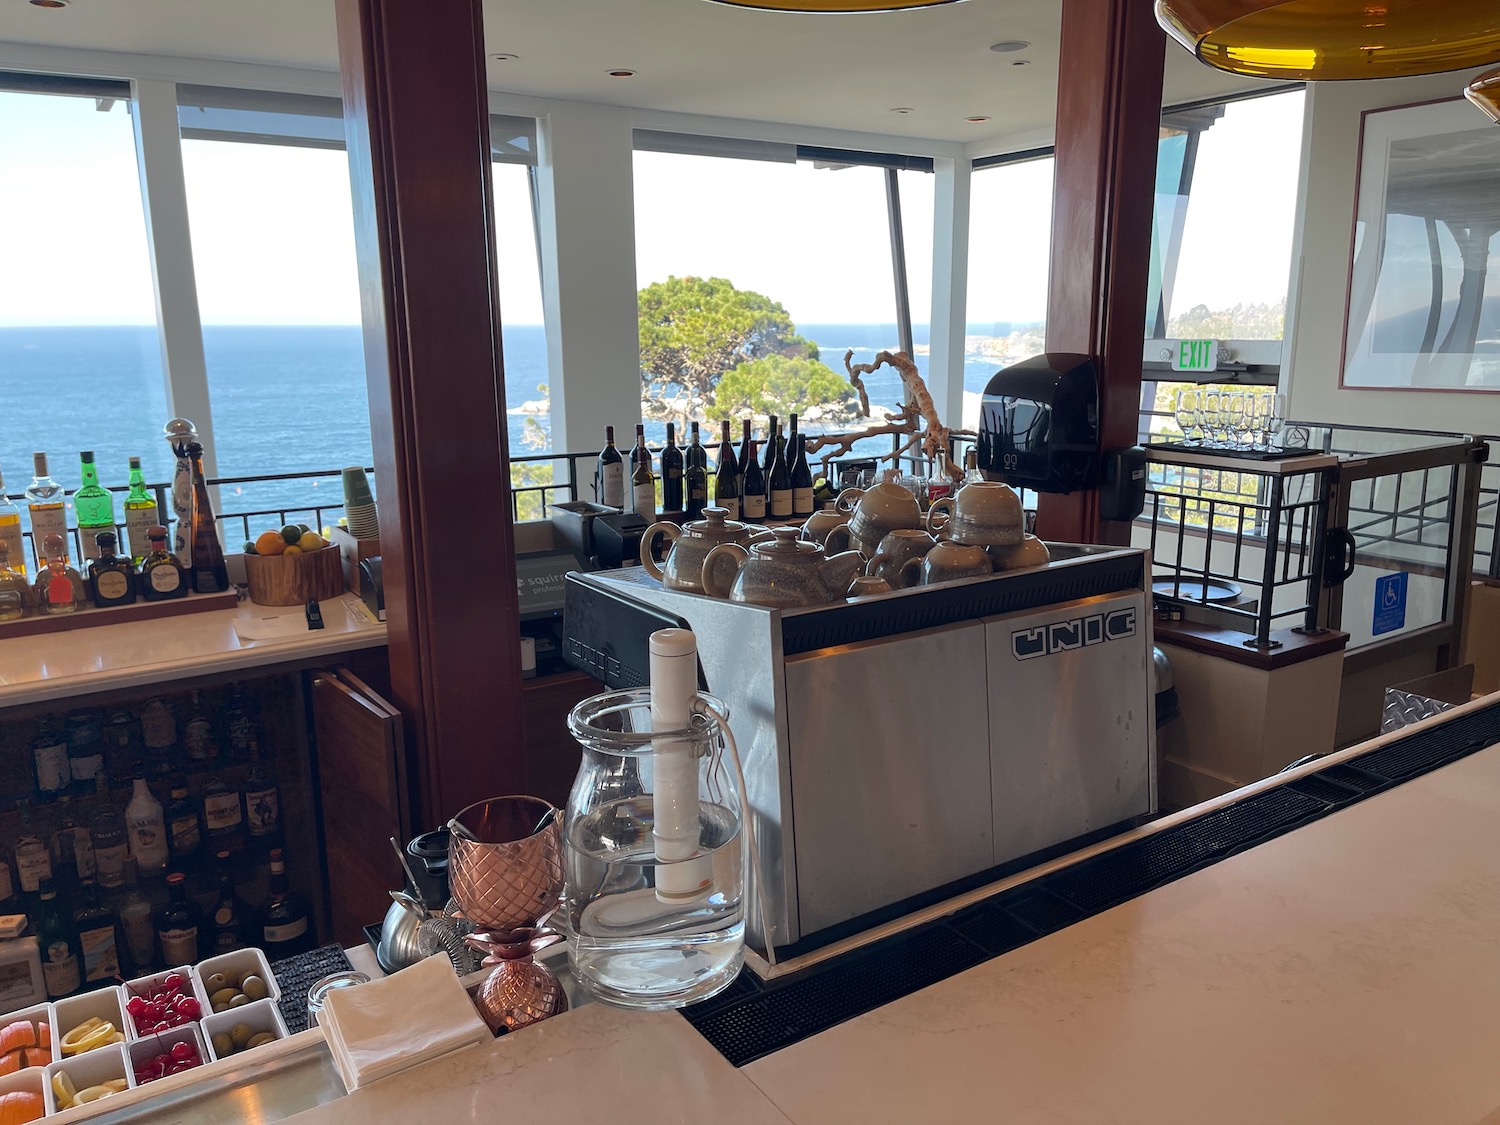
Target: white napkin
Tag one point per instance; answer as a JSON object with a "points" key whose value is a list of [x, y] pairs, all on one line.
{"points": [[270, 628], [377, 1029]]}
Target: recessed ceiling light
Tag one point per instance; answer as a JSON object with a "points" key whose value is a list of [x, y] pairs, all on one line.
{"points": [[1020, 62], [977, 119], [902, 109], [1009, 46], [504, 56], [50, 3], [621, 73]]}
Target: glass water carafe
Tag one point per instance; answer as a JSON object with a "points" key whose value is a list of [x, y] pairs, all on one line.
{"points": [[646, 931]]}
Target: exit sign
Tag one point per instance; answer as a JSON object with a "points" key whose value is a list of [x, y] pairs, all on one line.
{"points": [[1196, 355]]}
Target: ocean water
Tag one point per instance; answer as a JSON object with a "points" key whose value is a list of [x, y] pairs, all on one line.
{"points": [[285, 400]]}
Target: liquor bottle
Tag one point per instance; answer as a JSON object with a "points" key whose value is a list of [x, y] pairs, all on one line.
{"points": [[123, 750], [695, 476], [140, 514], [262, 804], [147, 829], [230, 918], [33, 860], [939, 483], [803, 504], [671, 473], [752, 490], [727, 480], [241, 727], [609, 474], [209, 572], [85, 734], [162, 573], [10, 532], [15, 594], [971, 467], [72, 851], [159, 733], [642, 479], [46, 503], [135, 920], [184, 828], [59, 588], [199, 742], [59, 941], [778, 484], [178, 923], [10, 901], [49, 759], [223, 817], [110, 842], [95, 507], [178, 432], [112, 577], [284, 925], [101, 945], [769, 450]]}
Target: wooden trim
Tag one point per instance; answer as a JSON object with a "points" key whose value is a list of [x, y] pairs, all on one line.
{"points": [[1108, 117], [417, 126], [1228, 644]]}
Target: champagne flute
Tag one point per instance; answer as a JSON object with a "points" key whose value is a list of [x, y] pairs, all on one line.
{"points": [[1210, 412], [1257, 410], [1186, 413], [1234, 417], [1276, 419]]}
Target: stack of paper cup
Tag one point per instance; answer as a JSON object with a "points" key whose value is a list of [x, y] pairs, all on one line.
{"points": [[359, 505]]}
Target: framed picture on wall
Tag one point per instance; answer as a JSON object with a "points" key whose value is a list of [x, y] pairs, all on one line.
{"points": [[1423, 310]]}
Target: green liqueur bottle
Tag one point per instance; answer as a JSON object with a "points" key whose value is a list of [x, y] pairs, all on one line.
{"points": [[95, 508], [140, 513]]}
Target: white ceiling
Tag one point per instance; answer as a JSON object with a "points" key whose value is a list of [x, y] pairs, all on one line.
{"points": [[844, 72]]}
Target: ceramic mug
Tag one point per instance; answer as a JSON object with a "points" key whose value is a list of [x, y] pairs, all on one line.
{"points": [[1031, 551], [983, 514], [897, 549], [867, 586], [947, 562]]}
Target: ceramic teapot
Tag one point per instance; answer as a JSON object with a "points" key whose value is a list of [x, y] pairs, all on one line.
{"points": [[897, 549], [690, 545], [947, 562], [875, 512], [982, 514], [784, 573]]}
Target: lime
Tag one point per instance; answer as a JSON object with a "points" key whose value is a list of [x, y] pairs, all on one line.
{"points": [[249, 547], [302, 527], [291, 533]]}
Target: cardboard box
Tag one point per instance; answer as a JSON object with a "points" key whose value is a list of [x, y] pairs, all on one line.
{"points": [[1482, 637], [353, 551]]}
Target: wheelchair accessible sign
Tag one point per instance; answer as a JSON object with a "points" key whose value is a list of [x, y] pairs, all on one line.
{"points": [[1390, 603]]}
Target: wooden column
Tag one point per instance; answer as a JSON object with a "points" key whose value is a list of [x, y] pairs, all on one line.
{"points": [[1108, 113], [417, 123]]}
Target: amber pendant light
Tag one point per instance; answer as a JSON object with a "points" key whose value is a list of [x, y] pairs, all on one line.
{"points": [[1484, 92], [834, 6], [1336, 39]]}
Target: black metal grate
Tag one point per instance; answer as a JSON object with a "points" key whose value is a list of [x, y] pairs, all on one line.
{"points": [[752, 1018], [295, 975]]}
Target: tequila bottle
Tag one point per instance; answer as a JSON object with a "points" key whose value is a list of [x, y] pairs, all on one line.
{"points": [[10, 531], [178, 432], [209, 573], [95, 508], [60, 588], [162, 575], [140, 513], [14, 593], [113, 578]]}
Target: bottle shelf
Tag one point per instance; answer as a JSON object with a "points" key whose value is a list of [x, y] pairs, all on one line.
{"points": [[39, 624]]}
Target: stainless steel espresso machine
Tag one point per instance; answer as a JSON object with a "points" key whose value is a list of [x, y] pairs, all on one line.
{"points": [[901, 749]]}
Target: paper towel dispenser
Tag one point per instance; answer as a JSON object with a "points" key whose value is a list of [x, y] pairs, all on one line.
{"points": [[1039, 423]]}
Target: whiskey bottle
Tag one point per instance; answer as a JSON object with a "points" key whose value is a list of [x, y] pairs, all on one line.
{"points": [[49, 758], [33, 860], [110, 842], [15, 594], [162, 574], [230, 918], [671, 472], [100, 942], [284, 926], [184, 829], [241, 728], [159, 733], [85, 734], [46, 505], [10, 532], [223, 817], [262, 803], [209, 572], [95, 507], [113, 578], [60, 588], [178, 924], [123, 750], [199, 742], [140, 514], [59, 940]]}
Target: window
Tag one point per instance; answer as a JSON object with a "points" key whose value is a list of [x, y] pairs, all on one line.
{"points": [[807, 230], [80, 367]]}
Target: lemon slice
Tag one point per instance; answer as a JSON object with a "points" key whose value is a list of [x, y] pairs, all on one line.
{"points": [[62, 1088], [92, 1094], [118, 1085], [70, 1041], [99, 1036]]}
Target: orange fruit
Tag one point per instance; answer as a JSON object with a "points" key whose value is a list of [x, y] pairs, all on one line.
{"points": [[270, 543], [291, 549]]}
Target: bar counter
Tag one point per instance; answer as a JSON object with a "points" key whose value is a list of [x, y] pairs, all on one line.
{"points": [[1346, 971]]}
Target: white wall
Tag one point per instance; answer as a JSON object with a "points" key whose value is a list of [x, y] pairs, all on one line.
{"points": [[1320, 268]]}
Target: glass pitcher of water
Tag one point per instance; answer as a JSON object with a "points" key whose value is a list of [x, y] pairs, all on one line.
{"points": [[655, 852]]}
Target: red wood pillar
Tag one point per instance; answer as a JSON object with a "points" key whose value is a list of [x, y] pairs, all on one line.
{"points": [[1108, 114], [417, 123]]}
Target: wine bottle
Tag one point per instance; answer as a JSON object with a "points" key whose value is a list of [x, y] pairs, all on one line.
{"points": [[802, 481], [671, 472], [95, 507], [609, 474], [778, 483], [642, 479], [209, 572], [695, 476], [770, 448], [140, 514], [727, 480], [752, 489]]}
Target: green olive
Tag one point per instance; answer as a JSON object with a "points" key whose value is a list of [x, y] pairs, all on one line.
{"points": [[255, 988], [261, 1040], [223, 1045], [241, 1033], [215, 982], [239, 1000], [220, 999]]}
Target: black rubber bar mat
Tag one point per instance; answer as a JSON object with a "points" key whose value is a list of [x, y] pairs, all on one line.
{"points": [[753, 1018]]}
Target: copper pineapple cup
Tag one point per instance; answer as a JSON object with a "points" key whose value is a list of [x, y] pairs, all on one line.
{"points": [[505, 862]]}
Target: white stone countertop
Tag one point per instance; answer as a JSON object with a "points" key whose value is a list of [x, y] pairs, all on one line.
{"points": [[1348, 971], [129, 654]]}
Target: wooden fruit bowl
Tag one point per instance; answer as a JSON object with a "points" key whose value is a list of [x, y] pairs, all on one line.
{"points": [[293, 579]]}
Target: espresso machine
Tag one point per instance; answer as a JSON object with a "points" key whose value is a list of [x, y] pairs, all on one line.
{"points": [[902, 749]]}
